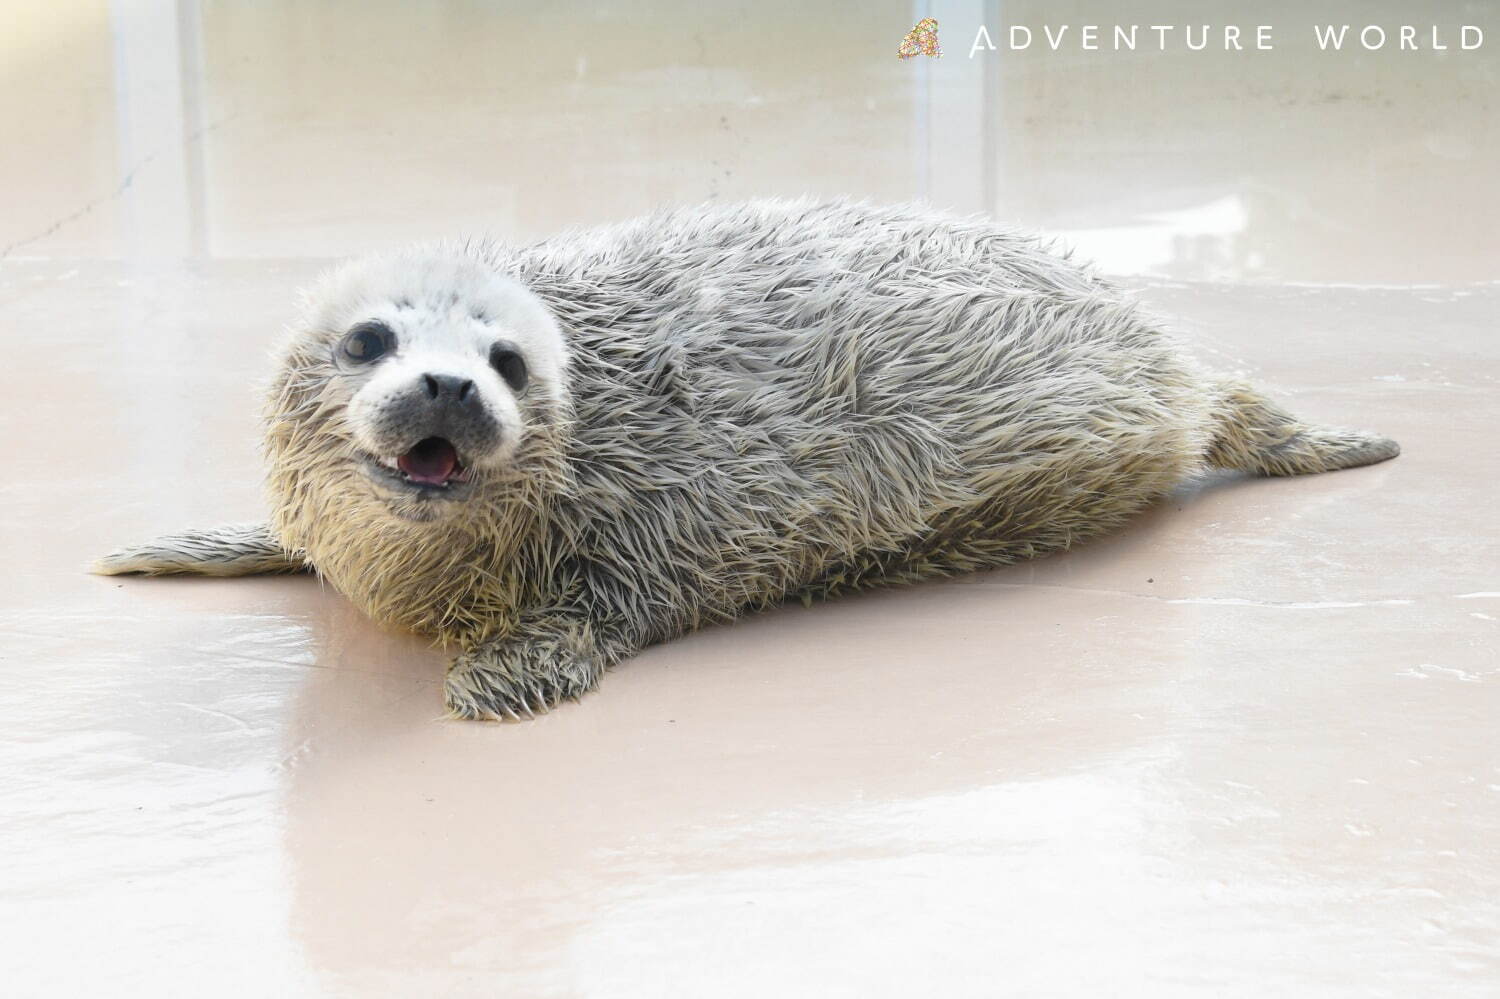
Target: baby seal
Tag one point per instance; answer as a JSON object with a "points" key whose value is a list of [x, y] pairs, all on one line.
{"points": [[550, 458]]}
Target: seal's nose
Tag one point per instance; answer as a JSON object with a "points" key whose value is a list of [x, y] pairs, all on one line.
{"points": [[438, 404], [447, 388]]}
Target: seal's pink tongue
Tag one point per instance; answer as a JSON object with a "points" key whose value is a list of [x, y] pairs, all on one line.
{"points": [[432, 461]]}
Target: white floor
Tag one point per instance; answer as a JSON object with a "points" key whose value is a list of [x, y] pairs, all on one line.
{"points": [[1247, 747]]}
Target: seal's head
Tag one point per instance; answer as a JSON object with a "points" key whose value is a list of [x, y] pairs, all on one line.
{"points": [[413, 424]]}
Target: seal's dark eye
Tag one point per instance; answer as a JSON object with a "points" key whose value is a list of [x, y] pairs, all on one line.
{"points": [[367, 342], [505, 359]]}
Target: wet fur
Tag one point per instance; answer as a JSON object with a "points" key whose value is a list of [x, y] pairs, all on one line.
{"points": [[758, 401]]}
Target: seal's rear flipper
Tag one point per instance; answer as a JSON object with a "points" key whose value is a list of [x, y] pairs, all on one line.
{"points": [[234, 550], [1256, 435]]}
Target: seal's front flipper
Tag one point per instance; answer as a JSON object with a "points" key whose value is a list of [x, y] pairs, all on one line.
{"points": [[233, 550], [1256, 435], [550, 656]]}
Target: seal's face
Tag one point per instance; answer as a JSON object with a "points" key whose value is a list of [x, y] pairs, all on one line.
{"points": [[436, 396], [413, 386]]}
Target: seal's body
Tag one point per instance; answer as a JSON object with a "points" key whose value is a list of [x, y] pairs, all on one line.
{"points": [[717, 409]]}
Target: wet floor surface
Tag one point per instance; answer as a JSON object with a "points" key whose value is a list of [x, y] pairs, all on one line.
{"points": [[1245, 747]]}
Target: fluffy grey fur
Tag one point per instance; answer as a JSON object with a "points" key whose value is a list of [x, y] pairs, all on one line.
{"points": [[752, 402]]}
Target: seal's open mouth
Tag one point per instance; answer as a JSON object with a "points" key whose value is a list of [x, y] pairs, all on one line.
{"points": [[431, 464], [432, 461]]}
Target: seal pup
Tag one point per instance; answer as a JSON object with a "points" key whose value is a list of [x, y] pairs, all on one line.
{"points": [[549, 458]]}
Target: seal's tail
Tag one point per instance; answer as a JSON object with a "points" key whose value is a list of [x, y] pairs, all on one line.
{"points": [[1256, 435]]}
